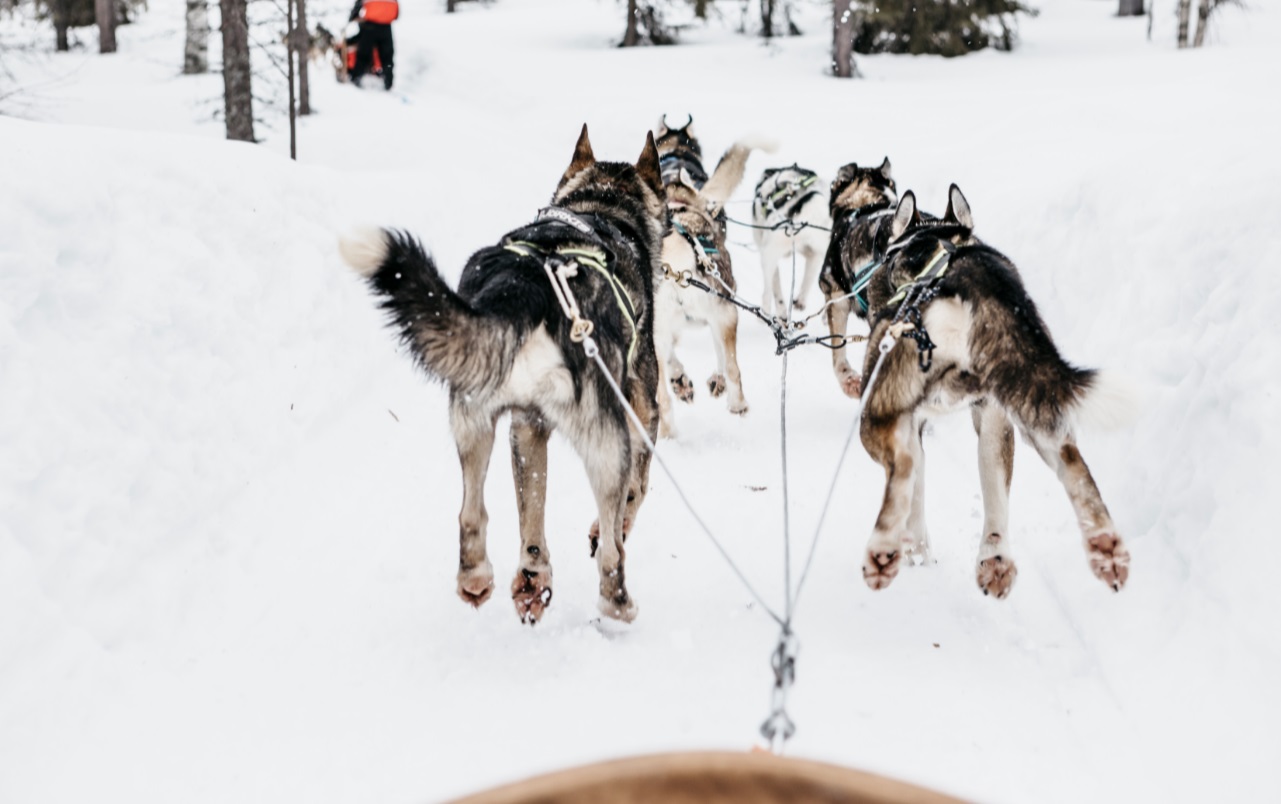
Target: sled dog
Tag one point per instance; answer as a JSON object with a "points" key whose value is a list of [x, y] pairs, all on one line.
{"points": [[502, 343], [695, 248], [861, 198], [790, 196], [975, 339]]}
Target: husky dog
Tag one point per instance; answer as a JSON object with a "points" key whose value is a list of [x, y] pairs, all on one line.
{"points": [[695, 248], [979, 342], [502, 343], [790, 195], [678, 148], [861, 200]]}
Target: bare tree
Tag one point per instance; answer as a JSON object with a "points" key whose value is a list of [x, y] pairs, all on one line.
{"points": [[302, 43], [1185, 9], [196, 57], [1202, 22], [105, 13], [236, 72], [767, 18], [631, 36], [843, 38], [1130, 8], [61, 10]]}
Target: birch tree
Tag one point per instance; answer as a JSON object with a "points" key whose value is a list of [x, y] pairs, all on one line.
{"points": [[843, 38], [1185, 8], [1202, 22], [105, 13]]}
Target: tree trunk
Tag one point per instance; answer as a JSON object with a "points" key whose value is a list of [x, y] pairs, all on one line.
{"points": [[304, 55], [1130, 8], [1202, 22], [767, 18], [237, 93], [451, 6], [843, 38], [196, 58], [105, 14], [1185, 8], [631, 38], [61, 22]]}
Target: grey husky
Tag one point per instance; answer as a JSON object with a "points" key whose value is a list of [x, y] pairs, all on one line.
{"points": [[972, 337], [787, 197], [503, 343]]}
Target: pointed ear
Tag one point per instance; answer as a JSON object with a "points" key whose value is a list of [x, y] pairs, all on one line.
{"points": [[904, 215], [958, 209], [647, 165], [689, 127], [662, 127], [583, 156], [885, 168]]}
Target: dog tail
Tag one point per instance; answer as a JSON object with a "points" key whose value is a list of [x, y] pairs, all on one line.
{"points": [[729, 171], [1106, 401], [446, 337]]}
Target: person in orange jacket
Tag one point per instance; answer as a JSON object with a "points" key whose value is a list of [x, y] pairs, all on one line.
{"points": [[376, 17]]}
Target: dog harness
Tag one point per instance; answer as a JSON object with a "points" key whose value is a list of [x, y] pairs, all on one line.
{"points": [[792, 195], [863, 276], [595, 257]]}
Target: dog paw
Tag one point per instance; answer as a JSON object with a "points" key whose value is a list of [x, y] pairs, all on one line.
{"points": [[716, 385], [996, 576], [851, 384], [476, 585], [683, 387], [738, 408], [798, 304], [918, 553], [1109, 559], [666, 429], [532, 593], [880, 567], [619, 606]]}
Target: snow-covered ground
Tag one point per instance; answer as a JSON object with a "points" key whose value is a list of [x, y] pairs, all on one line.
{"points": [[228, 503]]}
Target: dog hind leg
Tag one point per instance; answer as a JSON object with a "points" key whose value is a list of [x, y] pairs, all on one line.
{"points": [[1109, 558], [813, 262], [995, 569], [475, 438], [604, 450], [724, 329], [888, 441], [532, 586], [916, 539]]}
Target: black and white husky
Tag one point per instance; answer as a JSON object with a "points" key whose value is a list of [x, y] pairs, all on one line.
{"points": [[785, 199], [971, 337], [695, 248], [502, 343]]}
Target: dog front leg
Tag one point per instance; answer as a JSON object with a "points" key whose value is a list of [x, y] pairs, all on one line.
{"points": [[996, 571], [838, 318], [888, 441], [813, 262], [1109, 559], [532, 586], [475, 439]]}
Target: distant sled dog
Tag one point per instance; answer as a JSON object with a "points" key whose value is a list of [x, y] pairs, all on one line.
{"points": [[502, 343], [790, 195], [695, 248], [861, 200], [977, 341]]}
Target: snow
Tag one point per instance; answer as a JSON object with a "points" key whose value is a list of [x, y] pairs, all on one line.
{"points": [[228, 503]]}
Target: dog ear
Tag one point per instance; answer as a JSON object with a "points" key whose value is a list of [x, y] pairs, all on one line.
{"points": [[647, 165], [958, 209], [904, 215], [885, 168], [583, 156], [662, 127]]}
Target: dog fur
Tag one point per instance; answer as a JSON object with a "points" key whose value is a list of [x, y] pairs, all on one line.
{"points": [[859, 201], [790, 194], [501, 343], [994, 354], [698, 215]]}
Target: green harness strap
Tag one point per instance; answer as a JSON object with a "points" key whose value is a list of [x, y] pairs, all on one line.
{"points": [[934, 268], [595, 259]]}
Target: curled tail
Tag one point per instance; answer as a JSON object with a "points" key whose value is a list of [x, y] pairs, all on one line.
{"points": [[729, 171], [449, 339]]}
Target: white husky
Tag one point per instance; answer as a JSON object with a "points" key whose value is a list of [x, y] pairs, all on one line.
{"points": [[791, 202]]}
